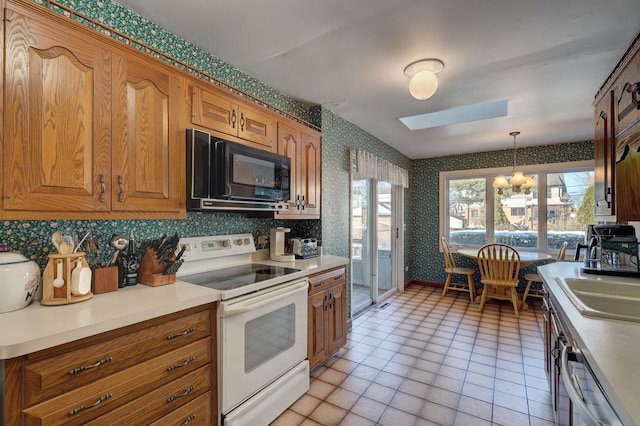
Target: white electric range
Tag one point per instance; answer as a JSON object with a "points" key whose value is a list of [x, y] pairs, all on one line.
{"points": [[261, 327]]}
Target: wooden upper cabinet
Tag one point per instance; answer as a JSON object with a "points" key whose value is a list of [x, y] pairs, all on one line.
{"points": [[88, 127], [627, 97], [302, 145], [57, 129], [147, 172], [220, 112], [604, 157]]}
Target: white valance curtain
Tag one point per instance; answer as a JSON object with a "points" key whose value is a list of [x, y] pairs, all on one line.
{"points": [[368, 165]]}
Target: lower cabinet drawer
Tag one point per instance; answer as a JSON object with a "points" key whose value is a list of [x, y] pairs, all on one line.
{"points": [[161, 401], [197, 412], [50, 375], [88, 402]]}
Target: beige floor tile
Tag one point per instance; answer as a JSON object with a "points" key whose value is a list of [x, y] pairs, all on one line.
{"points": [[328, 414], [355, 420], [437, 413], [288, 418], [506, 417], [305, 405], [464, 419], [407, 403], [368, 408], [395, 417], [343, 398], [380, 393], [320, 389]]}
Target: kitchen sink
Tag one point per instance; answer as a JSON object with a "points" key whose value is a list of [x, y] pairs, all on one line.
{"points": [[603, 298]]}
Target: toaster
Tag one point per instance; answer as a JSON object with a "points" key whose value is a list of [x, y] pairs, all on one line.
{"points": [[304, 248]]}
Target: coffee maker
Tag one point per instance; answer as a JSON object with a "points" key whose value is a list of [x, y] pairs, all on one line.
{"points": [[611, 250]]}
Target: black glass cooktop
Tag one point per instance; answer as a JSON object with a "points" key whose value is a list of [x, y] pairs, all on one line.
{"points": [[237, 276]]}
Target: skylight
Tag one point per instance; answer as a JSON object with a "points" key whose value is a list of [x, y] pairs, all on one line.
{"points": [[463, 114]]}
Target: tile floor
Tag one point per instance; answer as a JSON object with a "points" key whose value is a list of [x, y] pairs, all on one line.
{"points": [[423, 360]]}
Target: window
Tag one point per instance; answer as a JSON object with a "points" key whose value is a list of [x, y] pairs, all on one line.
{"points": [[473, 214]]}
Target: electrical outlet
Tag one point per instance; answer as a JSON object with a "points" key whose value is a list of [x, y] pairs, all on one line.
{"points": [[263, 239]]}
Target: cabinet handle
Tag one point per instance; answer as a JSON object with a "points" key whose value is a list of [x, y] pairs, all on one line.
{"points": [[337, 278], [184, 333], [318, 284], [186, 392], [103, 188], [303, 202], [242, 121], [188, 420], [233, 119], [121, 185], [86, 407], [184, 364], [88, 367]]}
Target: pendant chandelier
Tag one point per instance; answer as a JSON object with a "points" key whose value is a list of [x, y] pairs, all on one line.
{"points": [[517, 181]]}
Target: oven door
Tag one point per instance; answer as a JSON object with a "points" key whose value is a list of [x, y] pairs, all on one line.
{"points": [[261, 337]]}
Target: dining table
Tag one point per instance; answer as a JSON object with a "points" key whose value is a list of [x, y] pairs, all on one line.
{"points": [[526, 258]]}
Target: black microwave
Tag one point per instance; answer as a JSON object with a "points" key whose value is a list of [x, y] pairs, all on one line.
{"points": [[224, 175]]}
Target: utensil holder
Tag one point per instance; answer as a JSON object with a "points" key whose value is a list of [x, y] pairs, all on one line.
{"points": [[61, 295], [151, 272]]}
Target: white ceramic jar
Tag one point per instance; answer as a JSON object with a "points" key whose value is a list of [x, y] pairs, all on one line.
{"points": [[19, 280]]}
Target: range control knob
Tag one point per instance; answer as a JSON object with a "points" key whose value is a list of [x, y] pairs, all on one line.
{"points": [[225, 243], [247, 241], [239, 242]]}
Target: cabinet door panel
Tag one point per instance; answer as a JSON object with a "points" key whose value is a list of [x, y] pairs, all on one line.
{"points": [[57, 130], [257, 127], [213, 111], [289, 145], [604, 161], [317, 330], [337, 318], [310, 174], [144, 140]]}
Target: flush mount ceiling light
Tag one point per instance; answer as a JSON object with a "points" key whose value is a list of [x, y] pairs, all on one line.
{"points": [[517, 180], [423, 83]]}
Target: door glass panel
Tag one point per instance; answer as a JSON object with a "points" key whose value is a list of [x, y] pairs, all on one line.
{"points": [[269, 335], [384, 226], [361, 264]]}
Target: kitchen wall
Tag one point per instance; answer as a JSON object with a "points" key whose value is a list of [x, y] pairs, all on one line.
{"points": [[424, 259]]}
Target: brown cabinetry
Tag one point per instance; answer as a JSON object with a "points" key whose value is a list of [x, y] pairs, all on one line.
{"points": [[302, 145], [327, 330], [223, 113], [617, 140], [138, 374], [89, 127]]}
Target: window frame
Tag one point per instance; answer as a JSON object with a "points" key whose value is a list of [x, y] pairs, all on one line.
{"points": [[541, 170]]}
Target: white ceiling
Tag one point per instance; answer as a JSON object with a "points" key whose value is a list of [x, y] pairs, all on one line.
{"points": [[546, 57]]}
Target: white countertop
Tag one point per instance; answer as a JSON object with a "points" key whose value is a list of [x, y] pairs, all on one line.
{"points": [[38, 327], [611, 347]]}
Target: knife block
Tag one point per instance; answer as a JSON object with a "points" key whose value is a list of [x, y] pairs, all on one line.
{"points": [[62, 295], [151, 271]]}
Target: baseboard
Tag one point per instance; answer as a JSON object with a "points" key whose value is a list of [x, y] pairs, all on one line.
{"points": [[423, 284]]}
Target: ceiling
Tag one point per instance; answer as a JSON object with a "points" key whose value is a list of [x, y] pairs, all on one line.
{"points": [[547, 58]]}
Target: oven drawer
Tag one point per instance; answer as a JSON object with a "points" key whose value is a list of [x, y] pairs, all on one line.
{"points": [[88, 402], [324, 280], [53, 373]]}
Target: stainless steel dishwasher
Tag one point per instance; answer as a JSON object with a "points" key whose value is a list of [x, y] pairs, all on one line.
{"points": [[589, 404]]}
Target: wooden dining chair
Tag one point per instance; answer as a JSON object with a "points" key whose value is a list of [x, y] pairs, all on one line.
{"points": [[535, 278], [499, 268], [451, 269]]}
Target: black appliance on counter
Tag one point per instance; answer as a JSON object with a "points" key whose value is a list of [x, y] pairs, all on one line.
{"points": [[612, 250]]}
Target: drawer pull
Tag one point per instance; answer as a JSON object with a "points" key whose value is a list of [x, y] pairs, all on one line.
{"points": [[86, 407], [184, 364], [186, 392], [184, 333], [89, 367], [318, 284], [188, 420]]}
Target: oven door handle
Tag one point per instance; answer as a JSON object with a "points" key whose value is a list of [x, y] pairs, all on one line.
{"points": [[578, 403], [232, 309]]}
